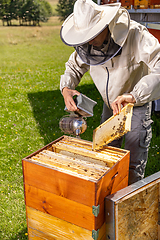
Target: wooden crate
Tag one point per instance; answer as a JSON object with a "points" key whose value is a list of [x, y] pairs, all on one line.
{"points": [[45, 226], [133, 212], [109, 1], [65, 183], [141, 4], [127, 3], [154, 2]]}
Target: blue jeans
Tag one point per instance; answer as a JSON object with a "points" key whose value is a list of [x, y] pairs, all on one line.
{"points": [[137, 141]]}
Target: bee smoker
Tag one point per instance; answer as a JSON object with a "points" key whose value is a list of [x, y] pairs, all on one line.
{"points": [[75, 123]]}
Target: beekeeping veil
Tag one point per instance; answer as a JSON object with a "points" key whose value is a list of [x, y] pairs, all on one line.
{"points": [[87, 21]]}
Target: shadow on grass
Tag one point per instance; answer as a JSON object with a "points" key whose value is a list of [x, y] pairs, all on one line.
{"points": [[48, 109]]}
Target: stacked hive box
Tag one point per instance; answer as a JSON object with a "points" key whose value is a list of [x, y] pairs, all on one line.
{"points": [[109, 1], [127, 3], [124, 3], [154, 4], [141, 3], [65, 185]]}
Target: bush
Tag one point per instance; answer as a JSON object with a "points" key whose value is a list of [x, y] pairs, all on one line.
{"points": [[26, 11], [65, 8]]}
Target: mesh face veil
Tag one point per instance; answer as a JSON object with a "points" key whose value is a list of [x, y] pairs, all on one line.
{"points": [[93, 55]]}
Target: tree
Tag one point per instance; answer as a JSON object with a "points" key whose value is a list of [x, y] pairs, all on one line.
{"points": [[45, 11], [26, 11], [65, 8], [4, 11]]}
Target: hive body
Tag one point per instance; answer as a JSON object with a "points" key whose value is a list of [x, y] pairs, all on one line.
{"points": [[65, 185]]}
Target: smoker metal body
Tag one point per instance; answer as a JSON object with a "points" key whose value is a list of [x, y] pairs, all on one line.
{"points": [[85, 105], [75, 123]]}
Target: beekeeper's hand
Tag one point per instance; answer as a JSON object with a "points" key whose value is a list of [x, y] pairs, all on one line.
{"points": [[120, 101], [68, 98]]}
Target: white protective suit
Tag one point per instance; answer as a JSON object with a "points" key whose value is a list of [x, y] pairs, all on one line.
{"points": [[135, 70]]}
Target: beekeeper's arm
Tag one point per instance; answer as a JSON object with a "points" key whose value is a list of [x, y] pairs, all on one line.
{"points": [[75, 69], [147, 50]]}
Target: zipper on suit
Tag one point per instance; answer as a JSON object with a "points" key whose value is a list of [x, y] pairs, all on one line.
{"points": [[107, 89]]}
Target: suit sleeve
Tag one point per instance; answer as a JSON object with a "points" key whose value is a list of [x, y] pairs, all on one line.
{"points": [[75, 69], [147, 51]]}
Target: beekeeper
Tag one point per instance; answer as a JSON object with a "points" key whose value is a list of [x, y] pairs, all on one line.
{"points": [[124, 63]]}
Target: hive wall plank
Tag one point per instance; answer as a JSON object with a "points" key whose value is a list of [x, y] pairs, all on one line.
{"points": [[59, 183], [63, 208], [122, 184], [122, 168], [115, 179], [45, 226]]}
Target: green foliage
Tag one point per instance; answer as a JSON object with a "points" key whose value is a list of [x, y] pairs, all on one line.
{"points": [[153, 164], [4, 9], [26, 11], [65, 8]]}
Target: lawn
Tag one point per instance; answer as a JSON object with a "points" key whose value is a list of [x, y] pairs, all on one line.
{"points": [[32, 60]]}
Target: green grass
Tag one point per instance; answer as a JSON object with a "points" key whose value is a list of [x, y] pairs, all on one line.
{"points": [[31, 105], [153, 164]]}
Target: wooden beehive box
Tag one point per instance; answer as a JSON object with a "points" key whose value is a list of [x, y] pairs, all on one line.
{"points": [[141, 3], [133, 212], [127, 3], [65, 184], [154, 4]]}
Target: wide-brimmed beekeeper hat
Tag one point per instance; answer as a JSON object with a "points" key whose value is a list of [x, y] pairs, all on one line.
{"points": [[89, 19]]}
